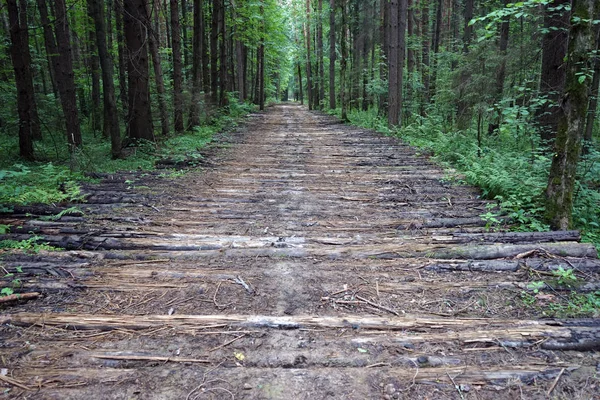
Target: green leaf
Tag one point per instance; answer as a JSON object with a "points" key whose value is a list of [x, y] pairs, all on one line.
{"points": [[581, 79]]}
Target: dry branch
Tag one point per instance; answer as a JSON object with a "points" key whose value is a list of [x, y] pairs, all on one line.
{"points": [[19, 296]]}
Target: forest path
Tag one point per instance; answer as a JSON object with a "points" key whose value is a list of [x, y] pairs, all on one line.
{"points": [[308, 259]]}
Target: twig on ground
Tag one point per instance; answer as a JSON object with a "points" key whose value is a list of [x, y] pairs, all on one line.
{"points": [[239, 280], [150, 358], [456, 386], [227, 343], [215, 297], [14, 382], [562, 371], [378, 305]]}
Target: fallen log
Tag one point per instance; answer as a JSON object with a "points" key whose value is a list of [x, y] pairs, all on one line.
{"points": [[110, 322], [19, 297], [507, 237], [540, 264]]}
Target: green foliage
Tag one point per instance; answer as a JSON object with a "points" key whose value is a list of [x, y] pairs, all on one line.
{"points": [[10, 282], [37, 183], [555, 304], [67, 211], [31, 245]]}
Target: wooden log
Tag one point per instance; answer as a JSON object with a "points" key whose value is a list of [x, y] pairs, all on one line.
{"points": [[110, 322], [19, 297], [541, 264], [507, 237]]}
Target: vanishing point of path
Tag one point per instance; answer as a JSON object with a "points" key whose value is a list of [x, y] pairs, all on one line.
{"points": [[306, 259]]}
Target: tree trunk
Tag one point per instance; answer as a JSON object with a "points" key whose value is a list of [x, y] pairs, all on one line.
{"points": [[332, 54], [65, 76], [49, 42], [425, 71], [223, 81], [574, 103], [197, 45], [594, 90], [111, 116], [344, 61], [177, 67], [136, 23], [385, 40], [464, 112], [153, 43], [23, 79], [435, 44], [500, 72], [121, 57], [309, 83], [593, 106], [320, 54], [35, 124], [214, 51], [552, 78], [184, 25], [261, 62], [239, 58], [300, 84], [410, 21], [94, 64], [393, 64]]}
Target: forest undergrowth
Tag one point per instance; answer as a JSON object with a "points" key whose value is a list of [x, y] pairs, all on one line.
{"points": [[54, 178], [509, 167]]}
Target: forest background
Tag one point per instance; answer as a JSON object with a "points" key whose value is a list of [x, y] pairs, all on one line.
{"points": [[504, 93]]}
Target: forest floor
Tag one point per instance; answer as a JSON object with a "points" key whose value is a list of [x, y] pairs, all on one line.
{"points": [[306, 259]]}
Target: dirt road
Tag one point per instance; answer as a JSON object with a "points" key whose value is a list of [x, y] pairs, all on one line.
{"points": [[306, 260]]}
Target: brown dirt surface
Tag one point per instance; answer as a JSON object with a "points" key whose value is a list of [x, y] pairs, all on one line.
{"points": [[304, 259]]}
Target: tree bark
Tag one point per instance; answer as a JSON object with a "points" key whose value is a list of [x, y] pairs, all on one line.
{"points": [[177, 67], [500, 73], [307, 38], [94, 64], [574, 103], [153, 43], [332, 54], [184, 37], [321, 95], [239, 58], [552, 78], [49, 42], [214, 51], [593, 106], [344, 61], [66, 77], [261, 62], [223, 64], [121, 57], [197, 66], [393, 65], [425, 71], [300, 84], [111, 116], [464, 112], [23, 78], [435, 44], [136, 23]]}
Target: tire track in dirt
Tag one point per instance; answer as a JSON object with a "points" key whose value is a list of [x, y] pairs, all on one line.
{"points": [[306, 260]]}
